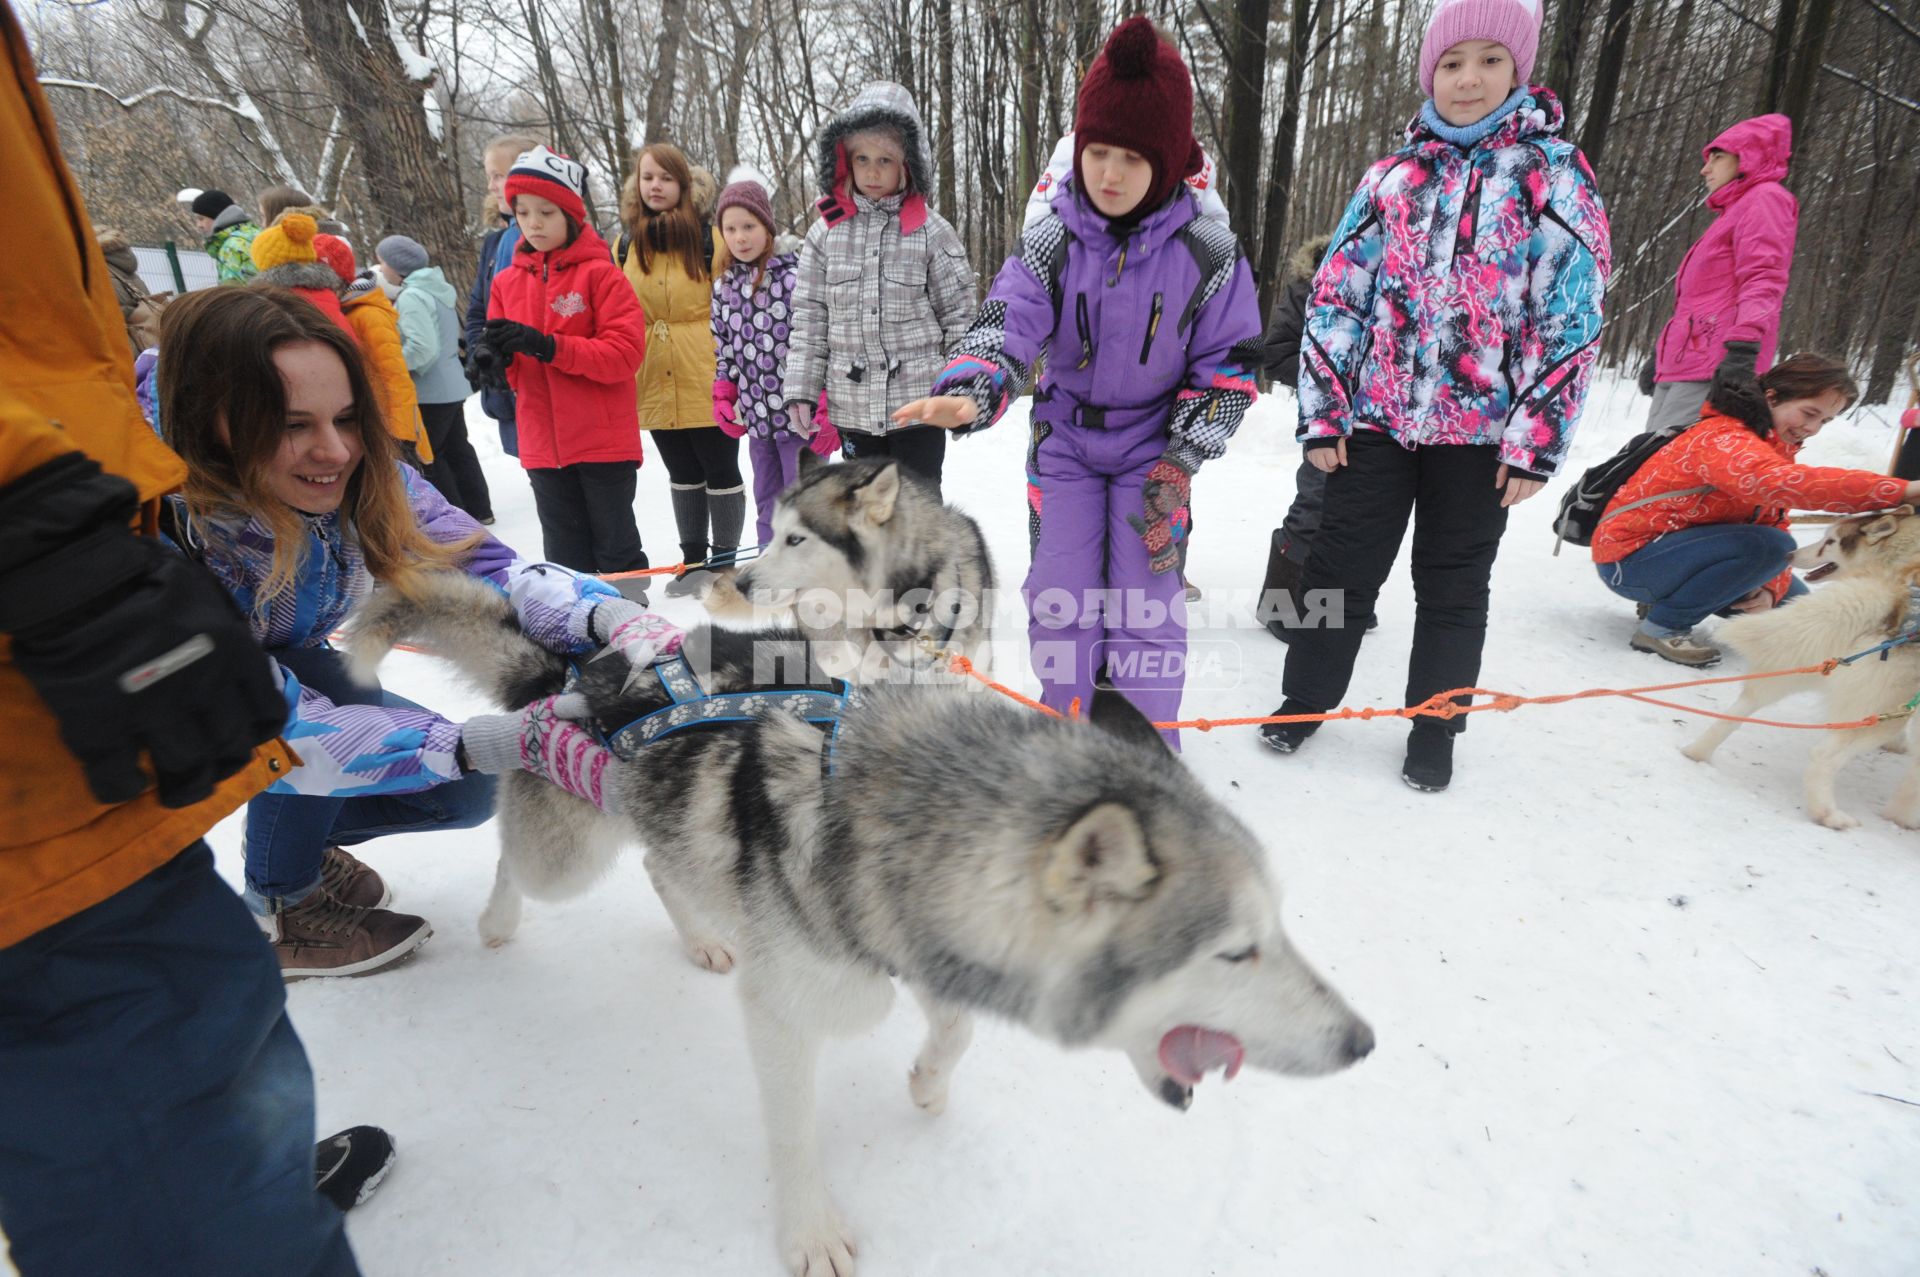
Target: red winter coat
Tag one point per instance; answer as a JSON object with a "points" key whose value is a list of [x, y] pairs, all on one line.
{"points": [[1733, 280], [1754, 480], [580, 407]]}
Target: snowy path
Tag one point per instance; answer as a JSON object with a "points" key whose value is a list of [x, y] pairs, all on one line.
{"points": [[1632, 1011]]}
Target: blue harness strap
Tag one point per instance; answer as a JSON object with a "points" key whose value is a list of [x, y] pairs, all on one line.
{"points": [[693, 707]]}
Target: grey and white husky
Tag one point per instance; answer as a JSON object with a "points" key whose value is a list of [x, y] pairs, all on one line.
{"points": [[1070, 876], [866, 558]]}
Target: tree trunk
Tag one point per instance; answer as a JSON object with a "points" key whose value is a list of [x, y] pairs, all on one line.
{"points": [[1273, 230], [673, 28], [1606, 79], [1246, 93], [1807, 55], [385, 114], [620, 143], [950, 115], [1774, 88], [1563, 58], [1026, 169]]}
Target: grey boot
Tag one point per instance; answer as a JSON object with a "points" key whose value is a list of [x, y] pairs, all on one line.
{"points": [[690, 520]]}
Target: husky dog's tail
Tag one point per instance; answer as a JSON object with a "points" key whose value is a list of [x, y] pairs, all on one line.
{"points": [[468, 623]]}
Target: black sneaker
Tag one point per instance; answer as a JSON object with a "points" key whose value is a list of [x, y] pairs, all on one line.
{"points": [[348, 1167], [1429, 765], [1286, 738]]}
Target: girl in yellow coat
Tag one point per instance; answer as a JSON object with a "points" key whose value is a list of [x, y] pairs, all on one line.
{"points": [[667, 254]]}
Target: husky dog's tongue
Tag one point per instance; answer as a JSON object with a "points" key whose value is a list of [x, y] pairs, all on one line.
{"points": [[1188, 1052]]}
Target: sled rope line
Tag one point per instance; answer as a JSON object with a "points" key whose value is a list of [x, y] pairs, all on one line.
{"points": [[726, 560], [1441, 706]]}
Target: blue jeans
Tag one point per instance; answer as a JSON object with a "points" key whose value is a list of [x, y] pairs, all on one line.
{"points": [[1686, 576], [156, 1107], [288, 834]]}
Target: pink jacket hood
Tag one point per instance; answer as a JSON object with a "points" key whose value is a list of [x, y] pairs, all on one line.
{"points": [[1764, 144]]}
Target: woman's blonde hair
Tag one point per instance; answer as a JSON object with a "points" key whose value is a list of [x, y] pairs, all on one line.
{"points": [[491, 209], [219, 370], [675, 231]]}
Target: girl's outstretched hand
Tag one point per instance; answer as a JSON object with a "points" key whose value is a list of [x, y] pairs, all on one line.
{"points": [[1327, 460], [949, 412], [1518, 489]]}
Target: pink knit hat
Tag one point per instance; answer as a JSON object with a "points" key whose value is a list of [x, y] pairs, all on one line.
{"points": [[744, 189], [1514, 23]]}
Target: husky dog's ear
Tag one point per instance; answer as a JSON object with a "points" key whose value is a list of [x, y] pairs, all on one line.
{"points": [[1101, 858], [1885, 525], [1115, 714], [875, 497]]}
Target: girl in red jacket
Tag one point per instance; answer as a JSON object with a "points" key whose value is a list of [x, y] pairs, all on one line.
{"points": [[1702, 528], [564, 327]]}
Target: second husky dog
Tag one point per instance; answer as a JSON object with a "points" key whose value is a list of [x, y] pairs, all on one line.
{"points": [[1873, 562], [1070, 876], [867, 556]]}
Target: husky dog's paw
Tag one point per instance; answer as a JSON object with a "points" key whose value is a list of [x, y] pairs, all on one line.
{"points": [[1905, 817], [1700, 751], [823, 1248], [709, 954], [499, 921], [1834, 818], [928, 1087]]}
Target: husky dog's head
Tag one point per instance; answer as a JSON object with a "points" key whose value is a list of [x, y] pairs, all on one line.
{"points": [[1880, 544], [828, 530], [1128, 908]]}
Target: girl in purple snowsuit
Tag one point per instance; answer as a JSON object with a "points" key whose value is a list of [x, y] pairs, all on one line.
{"points": [[1149, 319]]}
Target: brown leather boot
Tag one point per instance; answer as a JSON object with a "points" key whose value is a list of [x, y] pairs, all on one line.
{"points": [[352, 882], [321, 936]]}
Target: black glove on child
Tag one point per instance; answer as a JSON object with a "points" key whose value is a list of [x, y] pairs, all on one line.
{"points": [[510, 338], [487, 368], [135, 649]]}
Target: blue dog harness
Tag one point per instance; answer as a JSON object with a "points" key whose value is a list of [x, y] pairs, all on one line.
{"points": [[693, 707]]}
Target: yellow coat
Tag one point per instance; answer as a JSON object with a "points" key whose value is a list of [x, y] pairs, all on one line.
{"points": [[377, 324], [676, 379], [66, 383]]}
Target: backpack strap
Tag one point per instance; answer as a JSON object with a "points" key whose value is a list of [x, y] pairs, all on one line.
{"points": [[1658, 496]]}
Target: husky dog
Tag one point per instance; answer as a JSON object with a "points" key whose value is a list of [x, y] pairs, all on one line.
{"points": [[1873, 562], [866, 556], [1070, 876]]}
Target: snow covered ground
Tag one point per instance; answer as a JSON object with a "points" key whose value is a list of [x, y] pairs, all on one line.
{"points": [[1635, 1015]]}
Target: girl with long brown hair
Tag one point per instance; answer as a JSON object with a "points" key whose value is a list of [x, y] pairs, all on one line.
{"points": [[667, 253], [297, 502]]}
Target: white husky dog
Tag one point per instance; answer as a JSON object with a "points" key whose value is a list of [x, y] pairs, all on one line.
{"points": [[1873, 561], [1070, 876]]}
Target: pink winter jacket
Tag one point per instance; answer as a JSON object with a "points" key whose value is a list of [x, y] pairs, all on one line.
{"points": [[1734, 278]]}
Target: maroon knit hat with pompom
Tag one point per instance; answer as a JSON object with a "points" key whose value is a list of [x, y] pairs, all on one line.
{"points": [[1137, 95]]}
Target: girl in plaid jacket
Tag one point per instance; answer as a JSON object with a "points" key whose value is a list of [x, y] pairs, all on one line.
{"points": [[884, 287]]}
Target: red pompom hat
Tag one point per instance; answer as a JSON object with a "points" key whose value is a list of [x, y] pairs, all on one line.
{"points": [[1137, 95]]}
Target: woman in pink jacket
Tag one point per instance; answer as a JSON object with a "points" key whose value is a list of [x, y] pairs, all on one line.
{"points": [[1733, 280]]}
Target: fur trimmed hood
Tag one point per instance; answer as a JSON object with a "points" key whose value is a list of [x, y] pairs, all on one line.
{"points": [[117, 249], [314, 275], [1306, 258], [880, 104]]}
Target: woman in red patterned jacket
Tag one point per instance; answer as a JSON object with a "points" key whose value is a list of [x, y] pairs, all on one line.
{"points": [[1702, 528]]}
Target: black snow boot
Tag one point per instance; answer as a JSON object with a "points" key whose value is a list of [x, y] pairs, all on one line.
{"points": [[1286, 738], [347, 1167], [1429, 765]]}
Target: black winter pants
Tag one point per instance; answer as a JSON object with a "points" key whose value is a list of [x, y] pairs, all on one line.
{"points": [[1302, 523], [586, 515], [701, 456], [920, 449], [1457, 523], [456, 466]]}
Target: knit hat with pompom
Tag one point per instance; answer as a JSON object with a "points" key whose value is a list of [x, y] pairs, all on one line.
{"points": [[1514, 23], [746, 189], [337, 253], [290, 240], [1137, 95]]}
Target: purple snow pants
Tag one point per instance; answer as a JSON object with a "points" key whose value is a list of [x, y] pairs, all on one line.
{"points": [[776, 463], [1093, 602]]}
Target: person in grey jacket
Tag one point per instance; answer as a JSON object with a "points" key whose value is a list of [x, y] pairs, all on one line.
{"points": [[884, 285], [430, 341]]}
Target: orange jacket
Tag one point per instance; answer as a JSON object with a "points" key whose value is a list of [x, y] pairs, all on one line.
{"points": [[377, 324], [66, 384], [1752, 480]]}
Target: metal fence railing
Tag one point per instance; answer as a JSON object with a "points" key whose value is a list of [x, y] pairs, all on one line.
{"points": [[172, 269]]}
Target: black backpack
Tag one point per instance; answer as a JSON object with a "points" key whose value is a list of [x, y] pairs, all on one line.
{"points": [[1582, 507]]}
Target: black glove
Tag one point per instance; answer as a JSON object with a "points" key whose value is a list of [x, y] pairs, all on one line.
{"points": [[1646, 376], [511, 338], [487, 368], [1735, 388], [133, 647]]}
